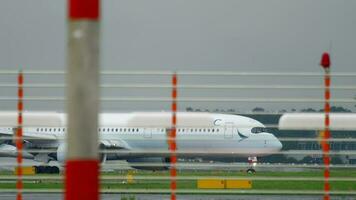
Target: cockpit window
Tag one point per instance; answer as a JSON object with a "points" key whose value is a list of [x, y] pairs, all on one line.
{"points": [[258, 130]]}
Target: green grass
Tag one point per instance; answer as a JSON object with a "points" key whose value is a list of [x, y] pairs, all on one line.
{"points": [[191, 184]]}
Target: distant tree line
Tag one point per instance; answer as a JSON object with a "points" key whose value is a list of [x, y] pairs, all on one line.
{"points": [[337, 109]]}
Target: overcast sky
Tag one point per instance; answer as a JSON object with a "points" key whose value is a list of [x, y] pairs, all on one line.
{"points": [[238, 35]]}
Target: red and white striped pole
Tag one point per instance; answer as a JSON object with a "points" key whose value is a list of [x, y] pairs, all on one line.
{"points": [[19, 139], [82, 165], [172, 138], [325, 63]]}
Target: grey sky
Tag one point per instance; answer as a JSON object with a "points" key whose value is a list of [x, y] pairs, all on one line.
{"points": [[238, 35]]}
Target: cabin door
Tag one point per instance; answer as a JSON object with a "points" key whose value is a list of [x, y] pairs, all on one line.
{"points": [[147, 133], [229, 130]]}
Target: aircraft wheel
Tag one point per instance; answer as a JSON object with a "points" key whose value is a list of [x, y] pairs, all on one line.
{"points": [[46, 170], [251, 171]]}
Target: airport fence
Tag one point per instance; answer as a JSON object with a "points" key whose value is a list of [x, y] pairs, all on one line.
{"points": [[297, 169]]}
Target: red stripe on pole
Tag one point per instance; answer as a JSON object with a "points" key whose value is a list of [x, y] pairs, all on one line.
{"points": [[327, 173], [20, 93], [82, 179], [174, 93], [327, 94], [84, 9], [19, 141], [327, 134], [19, 118], [19, 197], [327, 160], [172, 138], [327, 81], [327, 187], [19, 183], [20, 104], [327, 120], [327, 107], [20, 78], [325, 63]]}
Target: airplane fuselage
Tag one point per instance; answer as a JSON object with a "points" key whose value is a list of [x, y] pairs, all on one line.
{"points": [[136, 135]]}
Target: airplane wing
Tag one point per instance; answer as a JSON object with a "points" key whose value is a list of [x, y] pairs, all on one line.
{"points": [[43, 138], [31, 119], [114, 144], [35, 139]]}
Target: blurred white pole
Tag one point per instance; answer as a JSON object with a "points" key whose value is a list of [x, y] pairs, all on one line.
{"points": [[82, 165]]}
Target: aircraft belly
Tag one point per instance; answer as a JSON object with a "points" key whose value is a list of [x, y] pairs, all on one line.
{"points": [[197, 145]]}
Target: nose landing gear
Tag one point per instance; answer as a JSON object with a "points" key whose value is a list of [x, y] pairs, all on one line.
{"points": [[252, 161]]}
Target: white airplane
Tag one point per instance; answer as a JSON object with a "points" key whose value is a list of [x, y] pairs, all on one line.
{"points": [[142, 137]]}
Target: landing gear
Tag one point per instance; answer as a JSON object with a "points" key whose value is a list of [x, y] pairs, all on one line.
{"points": [[46, 170], [252, 161]]}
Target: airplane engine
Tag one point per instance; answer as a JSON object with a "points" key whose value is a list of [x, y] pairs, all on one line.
{"points": [[62, 150], [102, 155], [8, 150], [61, 153], [153, 163]]}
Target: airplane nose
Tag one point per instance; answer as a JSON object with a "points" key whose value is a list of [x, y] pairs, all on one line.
{"points": [[278, 145], [275, 143]]}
